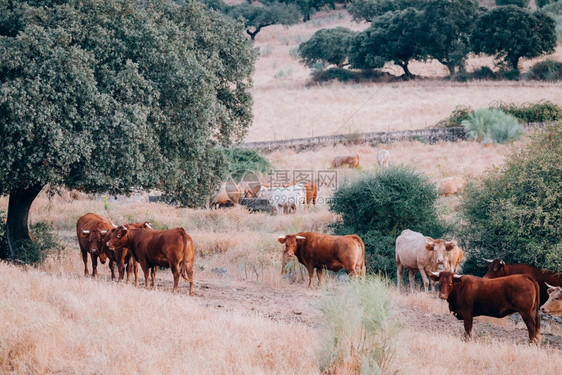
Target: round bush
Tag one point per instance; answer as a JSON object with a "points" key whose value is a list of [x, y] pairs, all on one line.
{"points": [[379, 206], [492, 126], [516, 213], [547, 70], [241, 160]]}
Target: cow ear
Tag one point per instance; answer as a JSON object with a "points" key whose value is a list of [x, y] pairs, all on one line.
{"points": [[457, 278], [434, 276], [281, 239], [550, 288], [85, 235], [450, 246], [429, 246]]}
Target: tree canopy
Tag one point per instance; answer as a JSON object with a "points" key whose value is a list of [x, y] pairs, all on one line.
{"points": [[327, 46], [106, 95], [511, 33]]}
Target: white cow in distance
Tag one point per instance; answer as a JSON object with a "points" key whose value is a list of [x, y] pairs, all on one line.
{"points": [[283, 199], [383, 157]]}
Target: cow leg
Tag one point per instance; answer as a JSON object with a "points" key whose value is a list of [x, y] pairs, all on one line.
{"points": [[531, 323], [176, 273], [121, 264], [135, 269], [412, 278], [85, 260], [94, 264], [145, 271], [425, 278], [399, 275], [112, 269], [310, 275], [153, 271], [467, 326], [319, 275], [190, 276]]}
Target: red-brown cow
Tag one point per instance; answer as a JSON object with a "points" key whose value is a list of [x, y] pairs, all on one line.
{"points": [[318, 250], [498, 268], [471, 296], [90, 230], [122, 256], [164, 248]]}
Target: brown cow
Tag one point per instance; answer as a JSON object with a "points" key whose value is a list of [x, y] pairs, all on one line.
{"points": [[471, 296], [450, 185], [311, 192], [352, 161], [318, 250], [122, 256], [553, 305], [453, 258], [163, 248], [498, 268], [90, 230]]}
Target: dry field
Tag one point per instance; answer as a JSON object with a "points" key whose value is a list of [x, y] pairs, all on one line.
{"points": [[286, 106], [245, 318]]}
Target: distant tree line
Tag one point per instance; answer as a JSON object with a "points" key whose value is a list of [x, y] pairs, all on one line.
{"points": [[402, 31]]}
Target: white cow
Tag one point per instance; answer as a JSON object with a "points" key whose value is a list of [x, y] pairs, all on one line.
{"points": [[284, 198], [383, 157], [417, 252]]}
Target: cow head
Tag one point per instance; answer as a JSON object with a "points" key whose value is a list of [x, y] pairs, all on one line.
{"points": [[118, 238], [95, 244], [291, 242], [554, 303], [447, 281], [496, 268], [439, 247]]}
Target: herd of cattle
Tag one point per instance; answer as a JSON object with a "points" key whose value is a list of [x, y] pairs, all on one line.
{"points": [[504, 289]]}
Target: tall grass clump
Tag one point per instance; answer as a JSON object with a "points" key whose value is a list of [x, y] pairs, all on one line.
{"points": [[379, 206], [516, 212], [492, 126], [357, 332]]}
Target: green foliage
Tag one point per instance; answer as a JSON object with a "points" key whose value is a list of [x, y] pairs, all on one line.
{"points": [[393, 37], [369, 10], [241, 160], [543, 111], [326, 45], [345, 75], [516, 212], [542, 3], [547, 70], [44, 243], [448, 25], [257, 17], [511, 33], [519, 3], [306, 7], [3, 236], [459, 114], [492, 126], [357, 330], [379, 206], [104, 95]]}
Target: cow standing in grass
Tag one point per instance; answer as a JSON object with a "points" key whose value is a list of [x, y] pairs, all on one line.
{"points": [[319, 251], [163, 248], [90, 229]]}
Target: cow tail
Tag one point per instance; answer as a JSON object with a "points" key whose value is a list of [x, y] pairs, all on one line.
{"points": [[362, 270], [537, 303], [188, 250]]}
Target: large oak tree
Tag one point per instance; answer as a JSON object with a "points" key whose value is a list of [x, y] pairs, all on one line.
{"points": [[106, 95]]}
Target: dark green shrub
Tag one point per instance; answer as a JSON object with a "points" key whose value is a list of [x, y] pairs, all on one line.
{"points": [[542, 3], [512, 75], [379, 206], [483, 72], [516, 212], [43, 244], [547, 70], [519, 3], [241, 160], [543, 111], [460, 113], [346, 75]]}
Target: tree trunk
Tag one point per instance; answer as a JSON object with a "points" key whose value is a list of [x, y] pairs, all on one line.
{"points": [[18, 212], [407, 72]]}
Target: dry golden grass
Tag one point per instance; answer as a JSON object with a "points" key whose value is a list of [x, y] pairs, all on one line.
{"points": [[285, 107]]}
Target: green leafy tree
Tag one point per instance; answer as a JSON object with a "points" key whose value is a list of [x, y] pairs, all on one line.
{"points": [[306, 7], [395, 36], [378, 207], [511, 33], [257, 17], [106, 95], [516, 212], [519, 3], [447, 25], [328, 46], [368, 10], [242, 160]]}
